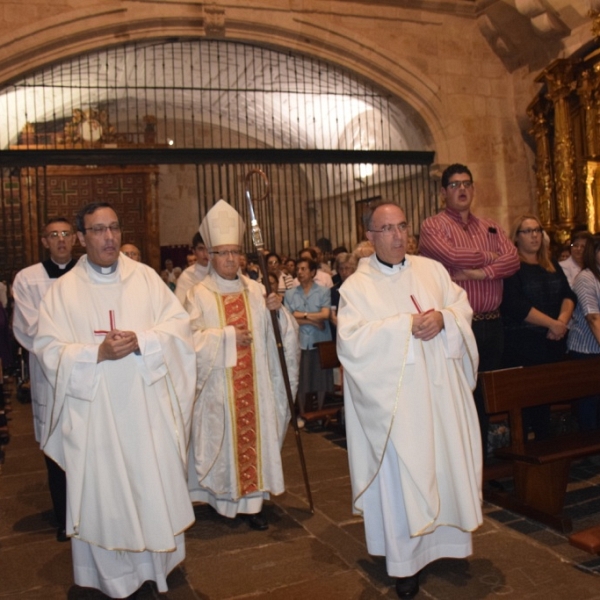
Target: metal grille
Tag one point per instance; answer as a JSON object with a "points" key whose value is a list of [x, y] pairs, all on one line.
{"points": [[304, 206], [202, 94], [328, 141]]}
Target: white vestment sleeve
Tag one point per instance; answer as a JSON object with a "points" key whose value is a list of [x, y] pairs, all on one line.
{"points": [[82, 382], [25, 316], [215, 346], [151, 360]]}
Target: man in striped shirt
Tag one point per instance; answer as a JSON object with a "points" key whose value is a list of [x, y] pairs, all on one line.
{"points": [[478, 256]]}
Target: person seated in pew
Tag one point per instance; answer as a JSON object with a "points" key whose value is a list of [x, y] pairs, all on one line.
{"points": [[537, 304], [584, 336]]}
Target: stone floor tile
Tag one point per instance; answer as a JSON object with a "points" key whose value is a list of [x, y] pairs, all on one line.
{"points": [[320, 556]]}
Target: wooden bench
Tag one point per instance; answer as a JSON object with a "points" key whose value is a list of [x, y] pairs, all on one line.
{"points": [[541, 468]]}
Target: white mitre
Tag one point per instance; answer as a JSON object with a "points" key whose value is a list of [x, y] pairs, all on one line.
{"points": [[222, 226]]}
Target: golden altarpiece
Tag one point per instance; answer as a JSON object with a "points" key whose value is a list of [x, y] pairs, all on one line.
{"points": [[58, 190], [566, 126]]}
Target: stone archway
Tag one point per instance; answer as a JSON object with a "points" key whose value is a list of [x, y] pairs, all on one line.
{"points": [[88, 29]]}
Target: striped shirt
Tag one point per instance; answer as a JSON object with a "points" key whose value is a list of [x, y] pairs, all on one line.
{"points": [[478, 244], [581, 339]]}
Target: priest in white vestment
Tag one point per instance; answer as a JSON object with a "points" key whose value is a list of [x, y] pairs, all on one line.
{"points": [[116, 345], [242, 412], [194, 273], [29, 287], [410, 364]]}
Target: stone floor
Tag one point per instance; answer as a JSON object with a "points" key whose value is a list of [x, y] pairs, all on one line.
{"points": [[301, 556]]}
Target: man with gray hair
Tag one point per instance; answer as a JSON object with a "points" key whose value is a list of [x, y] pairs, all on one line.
{"points": [[242, 412], [410, 363], [29, 287], [132, 252], [117, 347]]}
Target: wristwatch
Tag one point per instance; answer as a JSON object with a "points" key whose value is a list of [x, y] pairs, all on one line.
{"points": [[306, 315]]}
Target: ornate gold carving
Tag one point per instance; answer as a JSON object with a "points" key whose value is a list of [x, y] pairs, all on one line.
{"points": [[91, 125], [565, 118], [595, 16], [543, 164], [588, 92], [87, 128], [592, 196], [560, 81]]}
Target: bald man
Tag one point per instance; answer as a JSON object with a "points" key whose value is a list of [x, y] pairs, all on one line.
{"points": [[411, 425], [132, 252]]}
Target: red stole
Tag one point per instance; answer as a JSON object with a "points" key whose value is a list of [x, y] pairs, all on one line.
{"points": [[244, 402]]}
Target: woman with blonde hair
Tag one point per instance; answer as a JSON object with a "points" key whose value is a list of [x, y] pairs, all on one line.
{"points": [[537, 304]]}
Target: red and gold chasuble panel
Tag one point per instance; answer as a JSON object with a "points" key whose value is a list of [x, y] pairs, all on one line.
{"points": [[243, 403]]}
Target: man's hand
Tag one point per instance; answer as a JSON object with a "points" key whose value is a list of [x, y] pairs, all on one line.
{"points": [[243, 337], [273, 301], [427, 325], [465, 274], [117, 344]]}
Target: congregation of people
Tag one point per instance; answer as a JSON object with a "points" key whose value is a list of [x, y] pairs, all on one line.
{"points": [[172, 383]]}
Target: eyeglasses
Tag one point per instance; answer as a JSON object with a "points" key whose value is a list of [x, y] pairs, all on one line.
{"points": [[101, 229], [537, 230], [56, 234], [225, 252], [272, 263], [389, 229], [454, 185]]}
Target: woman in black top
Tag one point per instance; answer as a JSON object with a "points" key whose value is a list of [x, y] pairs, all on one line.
{"points": [[537, 305]]}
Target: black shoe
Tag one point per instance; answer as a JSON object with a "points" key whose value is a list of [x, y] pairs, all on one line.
{"points": [[407, 587], [61, 535], [256, 521]]}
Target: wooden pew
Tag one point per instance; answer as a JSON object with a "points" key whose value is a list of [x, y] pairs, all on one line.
{"points": [[541, 468]]}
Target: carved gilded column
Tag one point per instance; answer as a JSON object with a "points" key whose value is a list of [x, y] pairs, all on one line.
{"points": [[537, 112], [559, 78], [588, 94]]}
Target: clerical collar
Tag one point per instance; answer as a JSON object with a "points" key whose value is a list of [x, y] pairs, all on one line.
{"points": [[203, 270], [227, 285], [395, 267], [104, 270], [61, 266], [55, 270]]}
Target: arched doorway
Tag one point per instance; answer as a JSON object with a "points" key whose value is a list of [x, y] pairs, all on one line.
{"points": [[201, 113]]}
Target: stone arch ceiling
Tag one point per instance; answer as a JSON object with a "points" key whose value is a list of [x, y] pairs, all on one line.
{"points": [[273, 98], [531, 32]]}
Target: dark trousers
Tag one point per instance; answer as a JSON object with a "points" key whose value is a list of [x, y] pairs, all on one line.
{"points": [[489, 335], [57, 482]]}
